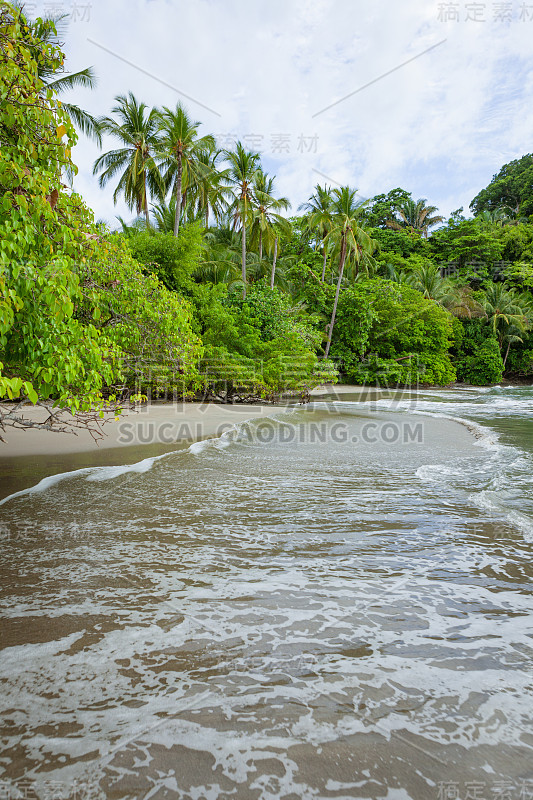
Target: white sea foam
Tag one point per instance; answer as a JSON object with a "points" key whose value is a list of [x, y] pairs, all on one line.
{"points": [[47, 483], [107, 473], [523, 523], [499, 404], [98, 474], [435, 473], [495, 503], [248, 628]]}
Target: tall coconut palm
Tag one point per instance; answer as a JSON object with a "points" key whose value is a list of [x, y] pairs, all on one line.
{"points": [[179, 148], [136, 127], [416, 216], [267, 224], [265, 212], [348, 234], [209, 192], [50, 30], [318, 209], [242, 167]]}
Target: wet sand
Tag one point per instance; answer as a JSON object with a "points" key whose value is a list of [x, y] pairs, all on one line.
{"points": [[30, 455]]}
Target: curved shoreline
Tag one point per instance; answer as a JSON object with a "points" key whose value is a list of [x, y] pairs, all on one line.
{"points": [[32, 455], [144, 437], [147, 425]]}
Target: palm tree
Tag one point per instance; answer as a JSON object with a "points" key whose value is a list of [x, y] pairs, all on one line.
{"points": [[499, 216], [209, 192], [136, 128], [49, 31], [222, 261], [267, 224], [281, 227], [243, 165], [362, 261], [279, 273], [318, 208], [416, 217], [510, 336], [179, 148], [392, 273], [508, 313], [129, 229], [458, 300], [264, 212], [347, 232], [164, 215], [429, 281]]}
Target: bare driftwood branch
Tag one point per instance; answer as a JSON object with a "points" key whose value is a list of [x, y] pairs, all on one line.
{"points": [[58, 420]]}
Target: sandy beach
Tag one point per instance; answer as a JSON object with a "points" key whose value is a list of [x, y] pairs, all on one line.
{"points": [[166, 424], [163, 423], [29, 455]]}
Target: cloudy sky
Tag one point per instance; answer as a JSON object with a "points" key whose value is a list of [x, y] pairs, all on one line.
{"points": [[430, 96]]}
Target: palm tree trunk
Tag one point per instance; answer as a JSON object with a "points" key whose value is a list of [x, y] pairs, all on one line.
{"points": [[323, 278], [243, 218], [356, 261], [146, 213], [178, 196], [506, 354], [260, 245], [336, 301], [273, 274]]}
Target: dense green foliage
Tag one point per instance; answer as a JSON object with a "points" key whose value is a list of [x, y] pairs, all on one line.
{"points": [[174, 260], [214, 291], [512, 187], [258, 345], [478, 359], [78, 314], [45, 351], [147, 323], [388, 332]]}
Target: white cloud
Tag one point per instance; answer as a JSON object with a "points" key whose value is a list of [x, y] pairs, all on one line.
{"points": [[440, 126]]}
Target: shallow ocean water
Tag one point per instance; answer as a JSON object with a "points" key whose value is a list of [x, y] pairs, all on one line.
{"points": [[332, 602]]}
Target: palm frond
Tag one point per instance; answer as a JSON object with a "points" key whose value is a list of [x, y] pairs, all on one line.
{"points": [[85, 122], [85, 79]]}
